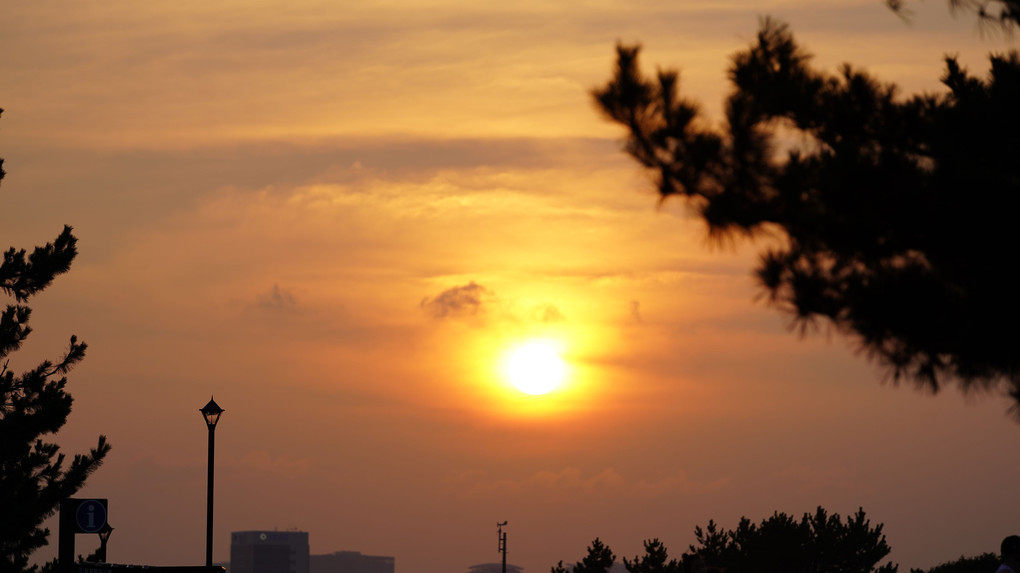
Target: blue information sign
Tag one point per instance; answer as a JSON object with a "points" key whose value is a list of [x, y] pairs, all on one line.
{"points": [[91, 516]]}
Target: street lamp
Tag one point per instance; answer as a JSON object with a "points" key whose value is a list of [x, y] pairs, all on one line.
{"points": [[104, 536], [211, 412]]}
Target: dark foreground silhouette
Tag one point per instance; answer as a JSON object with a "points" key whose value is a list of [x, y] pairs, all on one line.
{"points": [[890, 220], [33, 474], [818, 542]]}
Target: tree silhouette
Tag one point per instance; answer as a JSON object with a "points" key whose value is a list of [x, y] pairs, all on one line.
{"points": [[1004, 13], [600, 559], [889, 219], [33, 476], [984, 563], [818, 543], [655, 560]]}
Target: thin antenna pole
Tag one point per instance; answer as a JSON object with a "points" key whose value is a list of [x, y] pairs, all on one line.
{"points": [[501, 535]]}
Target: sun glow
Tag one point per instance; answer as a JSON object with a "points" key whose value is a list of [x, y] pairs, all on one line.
{"points": [[535, 368]]}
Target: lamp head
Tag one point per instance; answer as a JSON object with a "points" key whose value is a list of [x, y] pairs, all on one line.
{"points": [[211, 412], [104, 533]]}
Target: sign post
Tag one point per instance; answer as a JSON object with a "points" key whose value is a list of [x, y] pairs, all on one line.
{"points": [[77, 516]]}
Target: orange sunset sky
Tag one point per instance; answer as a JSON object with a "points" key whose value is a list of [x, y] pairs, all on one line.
{"points": [[338, 217]]}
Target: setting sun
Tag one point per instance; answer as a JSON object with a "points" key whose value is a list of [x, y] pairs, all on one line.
{"points": [[535, 368]]}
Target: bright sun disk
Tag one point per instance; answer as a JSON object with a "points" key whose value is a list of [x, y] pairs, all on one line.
{"points": [[535, 368]]}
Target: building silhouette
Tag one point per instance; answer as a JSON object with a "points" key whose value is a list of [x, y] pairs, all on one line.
{"points": [[269, 552], [350, 562]]}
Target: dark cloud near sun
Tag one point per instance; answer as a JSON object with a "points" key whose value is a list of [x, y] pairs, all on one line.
{"points": [[277, 299], [461, 301], [473, 300], [549, 313], [635, 311]]}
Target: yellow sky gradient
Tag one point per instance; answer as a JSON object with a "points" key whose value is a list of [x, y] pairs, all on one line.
{"points": [[272, 200]]}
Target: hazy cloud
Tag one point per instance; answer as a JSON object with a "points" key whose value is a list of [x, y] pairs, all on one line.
{"points": [[474, 300], [277, 299], [263, 462], [549, 313], [816, 478], [459, 301], [606, 481], [635, 311]]}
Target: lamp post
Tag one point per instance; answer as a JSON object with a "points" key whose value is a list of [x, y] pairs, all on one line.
{"points": [[104, 536], [211, 412]]}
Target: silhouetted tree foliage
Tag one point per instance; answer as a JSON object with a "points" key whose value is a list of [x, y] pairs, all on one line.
{"points": [[599, 559], [892, 219], [1003, 13], [817, 543], [655, 560], [984, 563], [33, 474]]}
